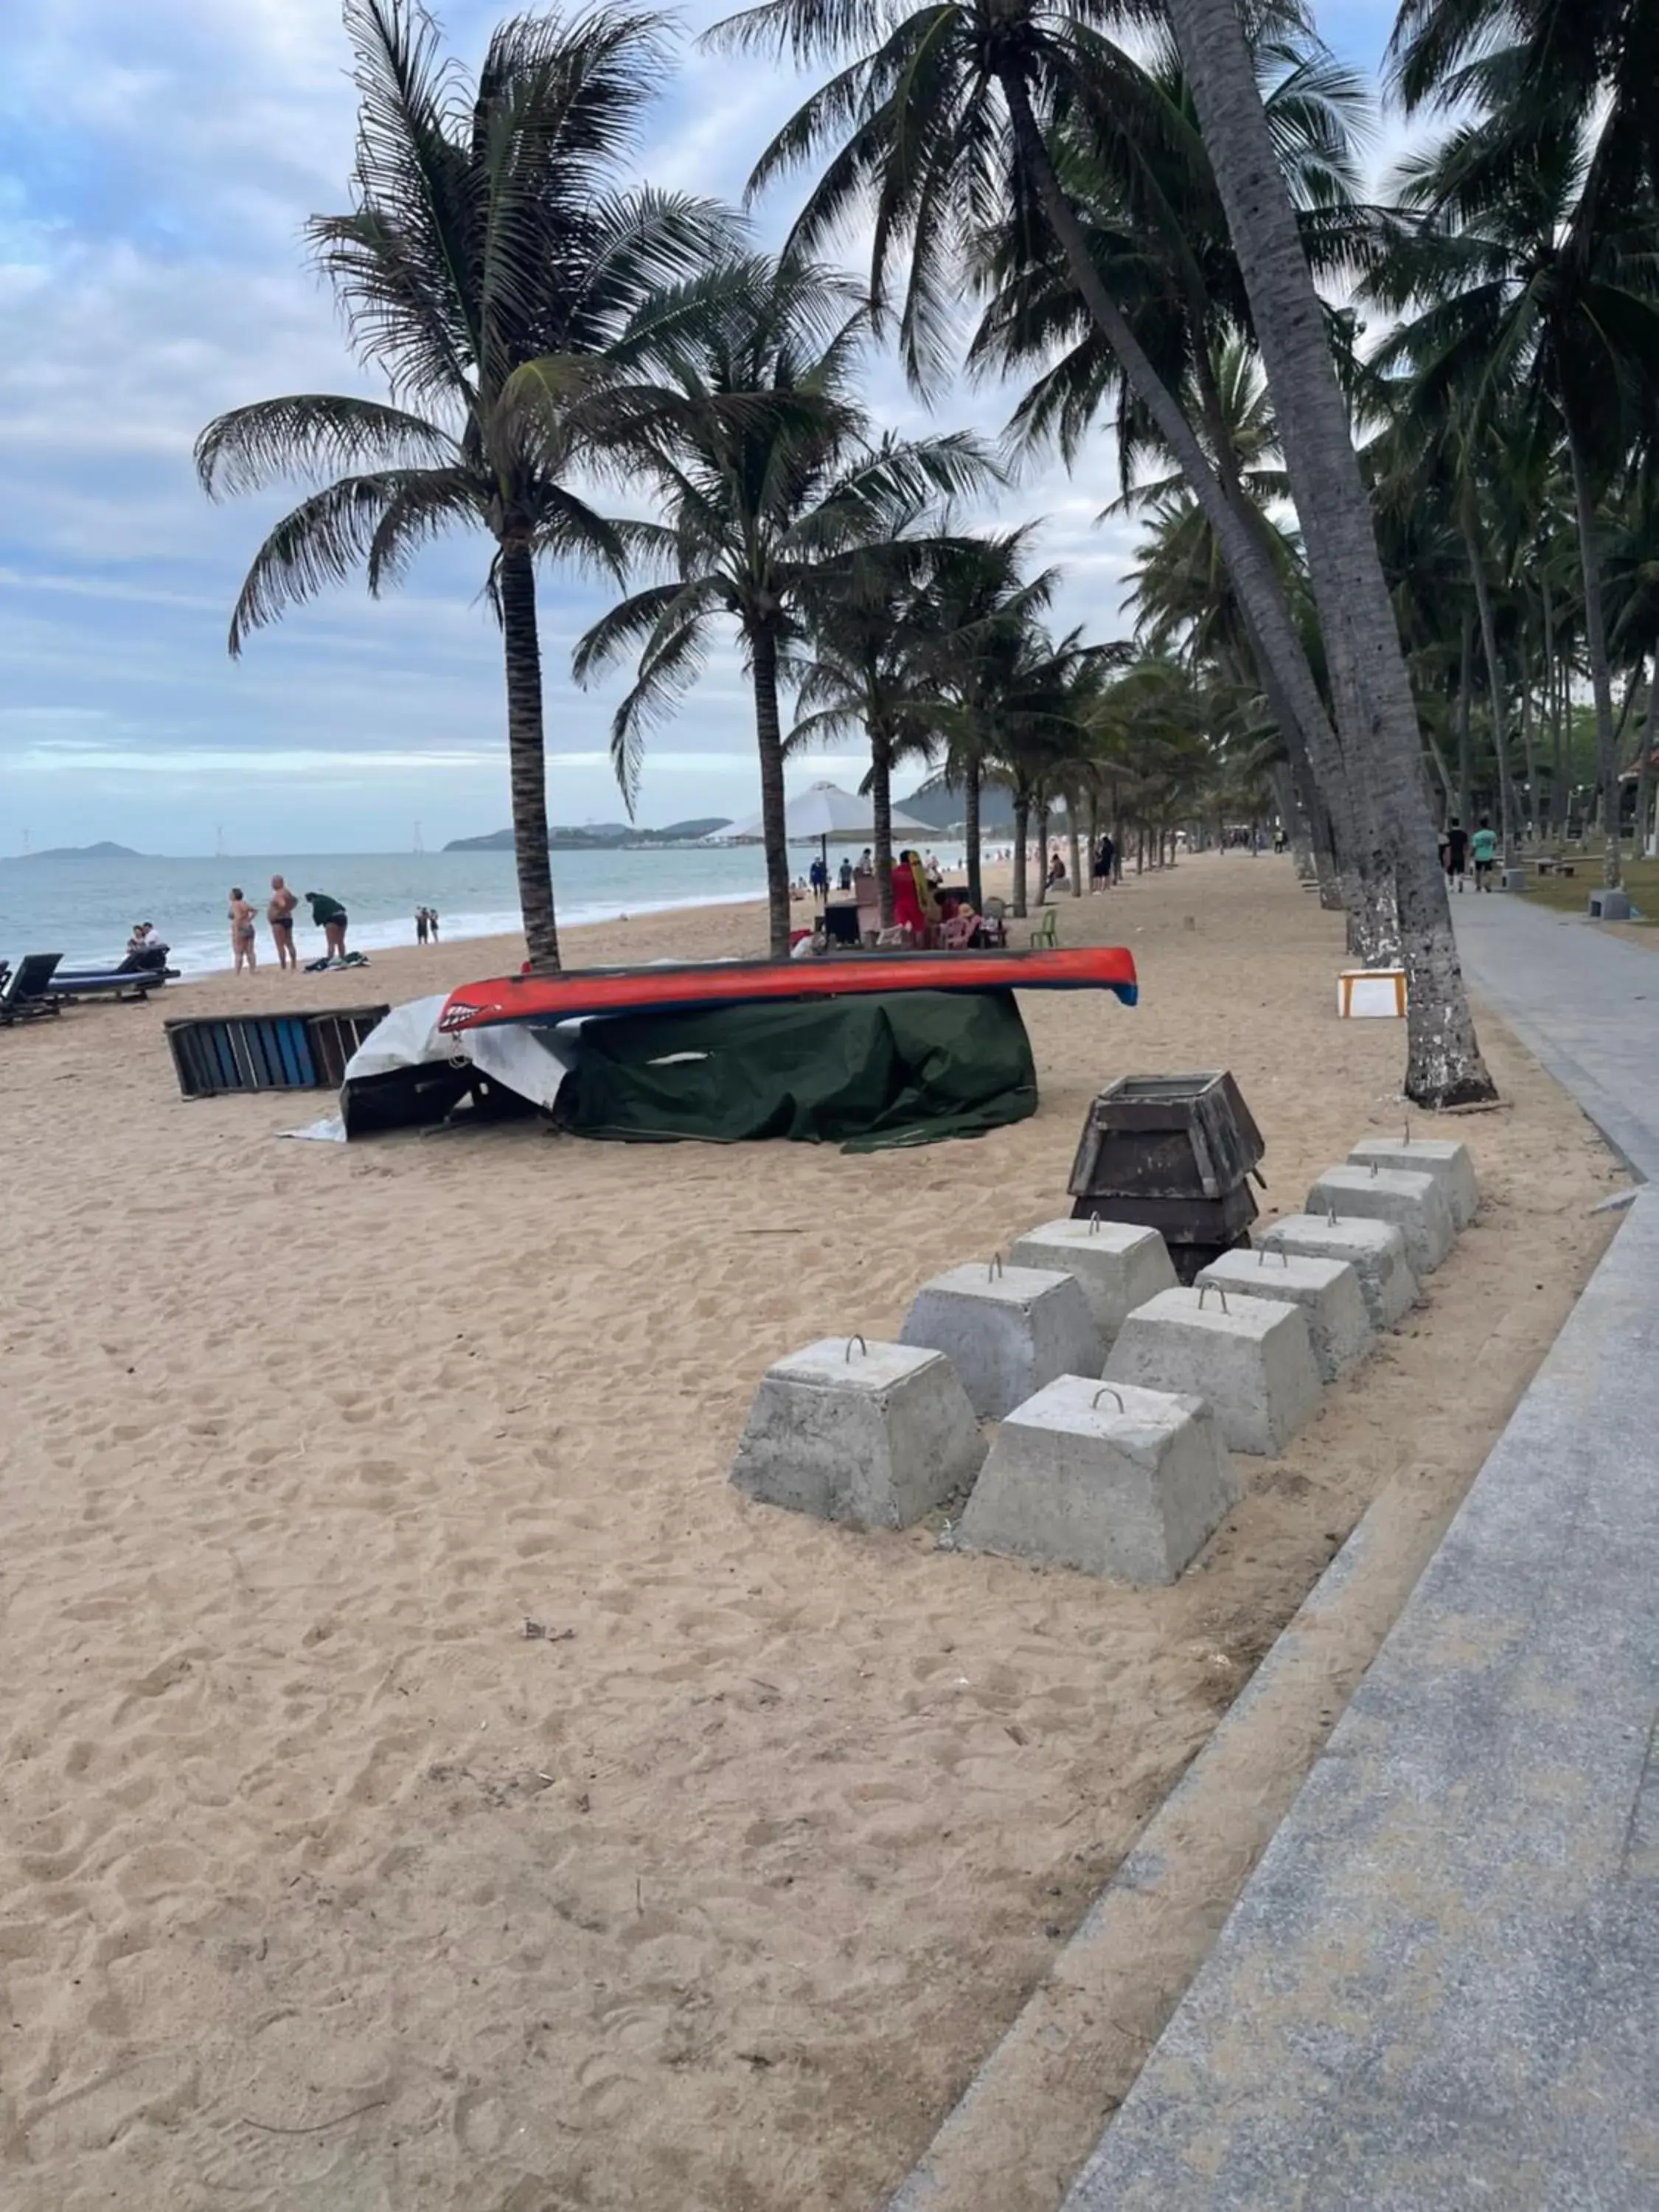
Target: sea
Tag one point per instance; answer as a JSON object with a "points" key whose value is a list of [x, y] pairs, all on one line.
{"points": [[85, 909]]}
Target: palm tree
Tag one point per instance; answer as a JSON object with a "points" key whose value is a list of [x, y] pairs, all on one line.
{"points": [[876, 660], [490, 226], [1526, 298], [754, 442], [984, 605], [955, 111]]}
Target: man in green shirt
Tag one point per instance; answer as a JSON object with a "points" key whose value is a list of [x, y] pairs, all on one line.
{"points": [[1484, 844], [331, 917]]}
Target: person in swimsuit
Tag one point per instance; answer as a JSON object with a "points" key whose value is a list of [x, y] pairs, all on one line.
{"points": [[420, 925], [280, 915], [431, 923], [241, 933], [331, 917]]}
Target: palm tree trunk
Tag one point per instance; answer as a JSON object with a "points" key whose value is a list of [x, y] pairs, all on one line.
{"points": [[1529, 756], [1595, 641], [1040, 809], [1553, 697], [774, 831], [1094, 832], [1375, 714], [1644, 765], [881, 812], [1021, 831], [1074, 849], [1465, 747], [1500, 739], [971, 831], [1275, 638], [527, 757]]}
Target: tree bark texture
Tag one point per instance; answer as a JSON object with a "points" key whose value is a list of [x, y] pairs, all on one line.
{"points": [[527, 757], [1375, 715], [1021, 831]]}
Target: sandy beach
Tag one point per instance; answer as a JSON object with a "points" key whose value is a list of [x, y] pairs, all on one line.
{"points": [[323, 1887]]}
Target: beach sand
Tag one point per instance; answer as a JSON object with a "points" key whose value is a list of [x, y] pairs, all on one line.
{"points": [[323, 1887]]}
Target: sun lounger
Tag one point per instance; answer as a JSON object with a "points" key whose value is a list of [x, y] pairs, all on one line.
{"points": [[24, 995], [106, 983]]}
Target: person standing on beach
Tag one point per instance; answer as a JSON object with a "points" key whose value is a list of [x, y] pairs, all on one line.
{"points": [[331, 918], [420, 925], [280, 915], [431, 923], [241, 933]]}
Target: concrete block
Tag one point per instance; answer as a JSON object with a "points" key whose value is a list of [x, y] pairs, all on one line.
{"points": [[1609, 906], [1413, 1204], [1251, 1359], [1375, 1251], [873, 1434], [1443, 1157], [1119, 1266], [1006, 1330], [1328, 1290], [1104, 1477]]}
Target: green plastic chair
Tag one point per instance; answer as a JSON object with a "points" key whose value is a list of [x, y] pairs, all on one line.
{"points": [[1048, 931]]}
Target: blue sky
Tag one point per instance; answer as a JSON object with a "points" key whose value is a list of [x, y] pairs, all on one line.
{"points": [[156, 164]]}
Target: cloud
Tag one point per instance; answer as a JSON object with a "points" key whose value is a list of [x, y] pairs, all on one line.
{"points": [[161, 161]]}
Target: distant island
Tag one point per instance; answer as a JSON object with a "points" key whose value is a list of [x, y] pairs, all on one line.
{"points": [[599, 835], [103, 850]]}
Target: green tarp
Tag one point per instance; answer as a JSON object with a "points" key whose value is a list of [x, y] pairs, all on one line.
{"points": [[907, 1067]]}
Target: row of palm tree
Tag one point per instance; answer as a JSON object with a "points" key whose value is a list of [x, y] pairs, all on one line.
{"points": [[1148, 213]]}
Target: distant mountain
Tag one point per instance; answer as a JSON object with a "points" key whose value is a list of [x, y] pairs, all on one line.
{"points": [[597, 836], [103, 850], [941, 807]]}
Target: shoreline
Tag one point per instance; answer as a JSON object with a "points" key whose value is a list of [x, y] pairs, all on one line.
{"points": [[470, 929]]}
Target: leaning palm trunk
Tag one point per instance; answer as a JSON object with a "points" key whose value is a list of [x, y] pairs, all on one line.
{"points": [[1595, 641], [1074, 849], [1465, 745], [775, 833], [526, 758], [1040, 811], [881, 815], [1375, 714], [1283, 661]]}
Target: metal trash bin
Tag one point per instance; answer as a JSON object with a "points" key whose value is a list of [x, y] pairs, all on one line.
{"points": [[1175, 1153]]}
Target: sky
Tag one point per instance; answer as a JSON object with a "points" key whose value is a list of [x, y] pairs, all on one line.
{"points": [[157, 163]]}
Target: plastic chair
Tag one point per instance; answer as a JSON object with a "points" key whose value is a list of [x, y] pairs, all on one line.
{"points": [[1047, 931]]}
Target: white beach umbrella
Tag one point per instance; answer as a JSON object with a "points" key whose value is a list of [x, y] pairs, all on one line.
{"points": [[824, 812]]}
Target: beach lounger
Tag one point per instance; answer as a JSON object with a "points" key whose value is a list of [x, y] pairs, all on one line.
{"points": [[135, 983], [24, 995]]}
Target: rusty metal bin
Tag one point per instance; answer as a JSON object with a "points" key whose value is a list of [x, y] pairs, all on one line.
{"points": [[1175, 1153]]}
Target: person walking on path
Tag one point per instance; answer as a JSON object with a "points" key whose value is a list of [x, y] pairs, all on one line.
{"points": [[1485, 845], [331, 918], [1455, 853], [279, 913], [243, 949]]}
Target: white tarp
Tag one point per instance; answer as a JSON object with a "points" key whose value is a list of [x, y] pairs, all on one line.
{"points": [[532, 1061]]}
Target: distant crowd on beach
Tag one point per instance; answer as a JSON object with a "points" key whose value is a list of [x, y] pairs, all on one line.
{"points": [[327, 913]]}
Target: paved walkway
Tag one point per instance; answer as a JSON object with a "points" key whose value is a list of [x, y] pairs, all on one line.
{"points": [[1440, 1988]]}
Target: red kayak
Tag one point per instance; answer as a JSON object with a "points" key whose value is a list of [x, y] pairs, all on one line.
{"points": [[748, 982]]}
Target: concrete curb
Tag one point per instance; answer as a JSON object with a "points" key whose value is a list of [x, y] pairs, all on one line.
{"points": [[1310, 1672]]}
